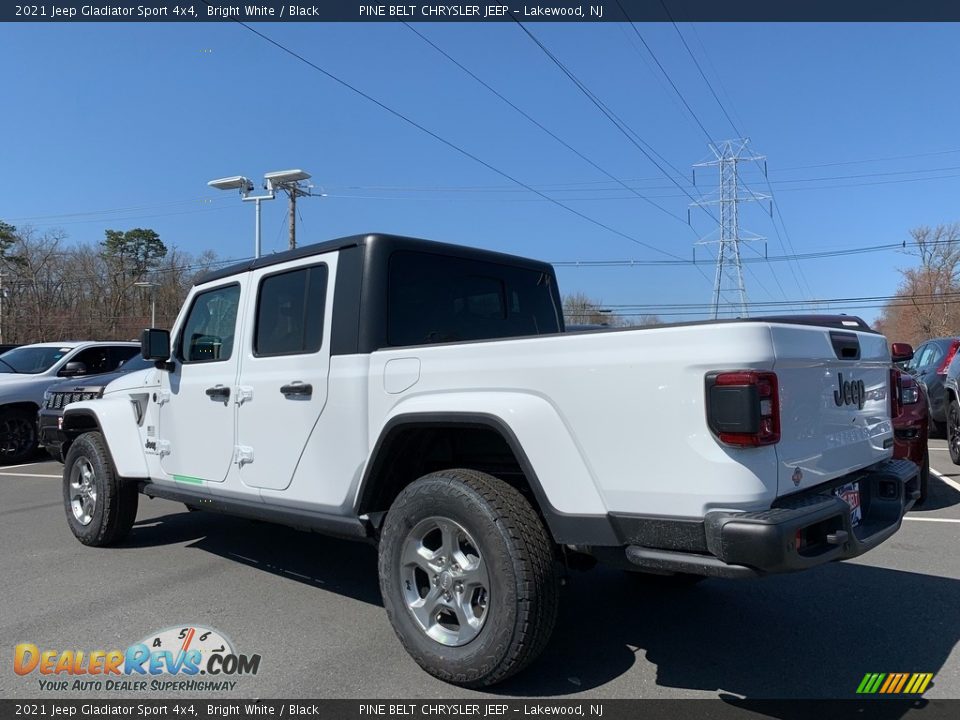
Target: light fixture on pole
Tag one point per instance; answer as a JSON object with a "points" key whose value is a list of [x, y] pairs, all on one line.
{"points": [[245, 186], [293, 183], [153, 299]]}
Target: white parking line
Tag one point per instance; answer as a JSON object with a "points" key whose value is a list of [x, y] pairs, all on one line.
{"points": [[920, 519], [2, 474], [29, 464], [949, 481]]}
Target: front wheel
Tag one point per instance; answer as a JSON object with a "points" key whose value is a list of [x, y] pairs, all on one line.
{"points": [[469, 577], [18, 435], [953, 431], [100, 507]]}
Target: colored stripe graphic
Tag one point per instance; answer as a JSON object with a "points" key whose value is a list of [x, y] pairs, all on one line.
{"points": [[894, 683], [188, 479]]}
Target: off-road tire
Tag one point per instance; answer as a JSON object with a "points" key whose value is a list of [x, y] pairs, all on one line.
{"points": [[18, 435], [115, 506], [520, 561]]}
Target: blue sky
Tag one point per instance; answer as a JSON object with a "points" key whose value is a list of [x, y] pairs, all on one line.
{"points": [[102, 117]]}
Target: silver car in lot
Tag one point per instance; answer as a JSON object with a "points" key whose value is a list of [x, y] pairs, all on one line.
{"points": [[27, 371]]}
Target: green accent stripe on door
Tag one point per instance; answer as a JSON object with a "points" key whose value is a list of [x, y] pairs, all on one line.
{"points": [[188, 479]]}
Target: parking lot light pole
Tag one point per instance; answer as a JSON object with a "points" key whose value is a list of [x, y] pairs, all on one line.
{"points": [[245, 186], [153, 299]]}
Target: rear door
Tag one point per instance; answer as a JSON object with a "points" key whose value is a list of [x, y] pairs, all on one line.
{"points": [[283, 376], [834, 403]]}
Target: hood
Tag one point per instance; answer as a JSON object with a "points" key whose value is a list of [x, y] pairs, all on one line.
{"points": [[86, 383], [133, 380]]}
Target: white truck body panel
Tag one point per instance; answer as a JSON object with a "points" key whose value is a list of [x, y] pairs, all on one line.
{"points": [[610, 421]]}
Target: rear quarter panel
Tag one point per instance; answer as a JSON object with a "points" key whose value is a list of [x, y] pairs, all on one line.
{"points": [[611, 421]]}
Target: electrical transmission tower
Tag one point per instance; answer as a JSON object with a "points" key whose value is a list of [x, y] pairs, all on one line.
{"points": [[729, 276]]}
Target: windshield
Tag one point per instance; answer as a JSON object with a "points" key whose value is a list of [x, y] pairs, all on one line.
{"points": [[31, 360]]}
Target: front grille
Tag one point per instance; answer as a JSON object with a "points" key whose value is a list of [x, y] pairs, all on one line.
{"points": [[59, 400]]}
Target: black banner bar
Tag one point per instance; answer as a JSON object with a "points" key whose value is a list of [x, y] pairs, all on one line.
{"points": [[543, 11], [219, 708]]}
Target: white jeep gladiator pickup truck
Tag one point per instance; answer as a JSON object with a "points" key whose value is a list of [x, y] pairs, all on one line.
{"points": [[424, 397]]}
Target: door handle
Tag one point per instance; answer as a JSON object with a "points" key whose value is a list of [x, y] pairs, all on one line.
{"points": [[219, 392], [297, 388]]}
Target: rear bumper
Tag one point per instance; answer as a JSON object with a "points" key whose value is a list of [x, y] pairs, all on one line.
{"points": [[744, 544]]}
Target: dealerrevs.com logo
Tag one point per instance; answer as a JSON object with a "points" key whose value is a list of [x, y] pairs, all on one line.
{"points": [[186, 658]]}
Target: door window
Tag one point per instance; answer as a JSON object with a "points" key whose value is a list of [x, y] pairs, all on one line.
{"points": [[933, 356], [290, 312], [104, 358], [208, 334]]}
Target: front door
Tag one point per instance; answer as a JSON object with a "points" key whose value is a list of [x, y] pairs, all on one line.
{"points": [[196, 417], [283, 375]]}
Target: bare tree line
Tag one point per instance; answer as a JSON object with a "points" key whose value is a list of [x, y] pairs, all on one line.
{"points": [[927, 302], [53, 290]]}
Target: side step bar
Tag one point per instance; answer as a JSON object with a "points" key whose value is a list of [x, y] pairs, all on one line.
{"points": [[351, 528]]}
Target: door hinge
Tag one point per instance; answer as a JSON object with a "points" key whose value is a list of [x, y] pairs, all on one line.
{"points": [[162, 397], [244, 393], [242, 454], [160, 447]]}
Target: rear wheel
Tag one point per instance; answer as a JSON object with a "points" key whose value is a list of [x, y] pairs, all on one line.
{"points": [[468, 576], [953, 431], [100, 506], [18, 435]]}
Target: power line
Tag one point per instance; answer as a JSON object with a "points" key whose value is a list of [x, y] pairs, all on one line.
{"points": [[448, 143], [631, 136], [765, 259], [952, 296], [666, 74], [540, 125], [574, 186]]}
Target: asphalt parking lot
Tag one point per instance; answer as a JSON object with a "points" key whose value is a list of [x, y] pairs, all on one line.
{"points": [[310, 606]]}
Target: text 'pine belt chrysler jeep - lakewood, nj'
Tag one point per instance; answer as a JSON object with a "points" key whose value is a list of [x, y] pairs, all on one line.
{"points": [[424, 396]]}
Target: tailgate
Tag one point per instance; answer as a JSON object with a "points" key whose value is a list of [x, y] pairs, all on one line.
{"points": [[834, 403]]}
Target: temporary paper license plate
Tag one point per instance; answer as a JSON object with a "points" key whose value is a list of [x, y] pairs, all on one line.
{"points": [[850, 493]]}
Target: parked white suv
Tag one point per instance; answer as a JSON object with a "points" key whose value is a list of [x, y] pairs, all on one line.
{"points": [[425, 397]]}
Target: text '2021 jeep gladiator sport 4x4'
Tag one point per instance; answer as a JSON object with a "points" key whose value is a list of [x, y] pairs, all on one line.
{"points": [[425, 396]]}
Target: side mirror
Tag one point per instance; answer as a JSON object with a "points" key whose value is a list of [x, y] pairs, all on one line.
{"points": [[901, 352], [155, 344], [72, 369]]}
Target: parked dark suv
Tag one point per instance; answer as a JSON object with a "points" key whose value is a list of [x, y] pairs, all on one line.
{"points": [[58, 396], [929, 366]]}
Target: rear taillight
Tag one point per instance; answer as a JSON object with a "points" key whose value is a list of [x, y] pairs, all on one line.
{"points": [[743, 407], [896, 393], [942, 370]]}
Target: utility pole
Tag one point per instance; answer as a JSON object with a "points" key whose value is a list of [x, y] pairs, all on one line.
{"points": [[293, 183], [293, 219], [729, 275]]}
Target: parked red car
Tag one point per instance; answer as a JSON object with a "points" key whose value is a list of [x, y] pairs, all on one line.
{"points": [[910, 426]]}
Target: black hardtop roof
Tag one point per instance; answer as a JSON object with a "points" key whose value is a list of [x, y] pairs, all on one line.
{"points": [[375, 241]]}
